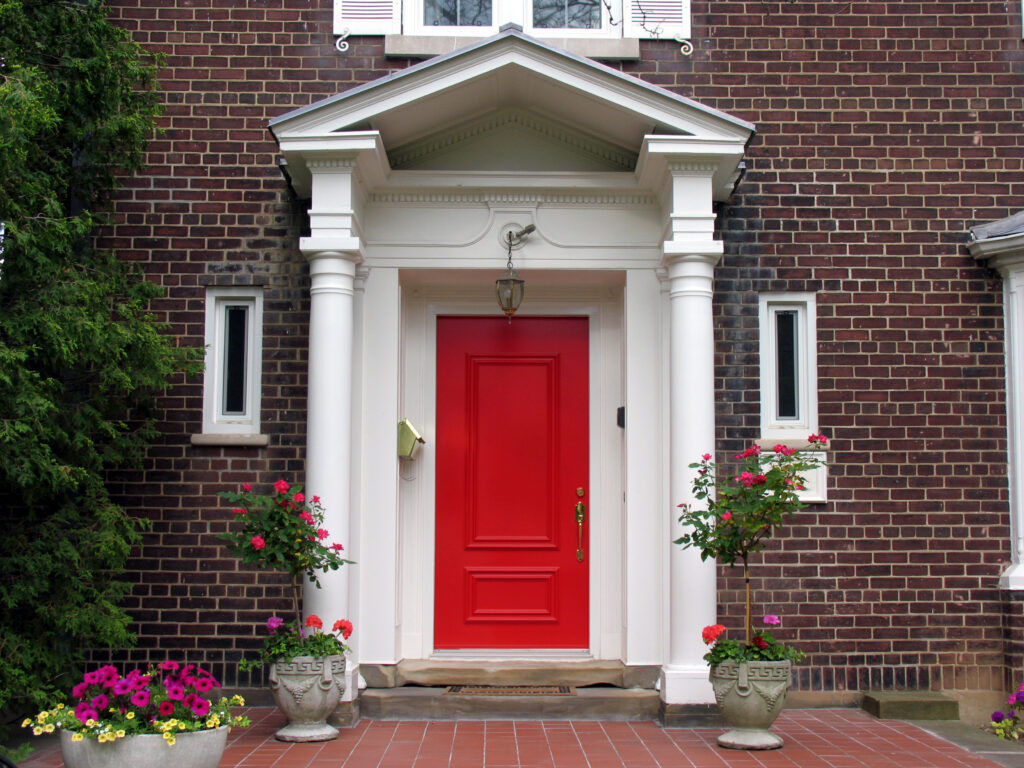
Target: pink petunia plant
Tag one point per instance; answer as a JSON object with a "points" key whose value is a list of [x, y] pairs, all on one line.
{"points": [[166, 699]]}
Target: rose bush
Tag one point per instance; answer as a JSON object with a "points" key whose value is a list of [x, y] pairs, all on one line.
{"points": [[283, 531], [733, 519]]}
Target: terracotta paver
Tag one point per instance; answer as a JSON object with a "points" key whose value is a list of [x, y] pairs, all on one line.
{"points": [[815, 738]]}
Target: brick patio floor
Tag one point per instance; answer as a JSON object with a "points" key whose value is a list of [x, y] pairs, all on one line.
{"points": [[815, 738]]}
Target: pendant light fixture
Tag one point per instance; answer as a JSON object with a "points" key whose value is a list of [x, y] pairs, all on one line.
{"points": [[510, 286]]}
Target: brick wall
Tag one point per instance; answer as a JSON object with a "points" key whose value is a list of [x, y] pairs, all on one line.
{"points": [[885, 129]]}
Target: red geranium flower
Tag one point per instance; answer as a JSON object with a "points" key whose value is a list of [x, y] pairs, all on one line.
{"points": [[344, 626], [314, 621], [711, 633]]}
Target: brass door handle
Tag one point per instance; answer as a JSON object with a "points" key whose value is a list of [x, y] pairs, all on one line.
{"points": [[581, 517]]}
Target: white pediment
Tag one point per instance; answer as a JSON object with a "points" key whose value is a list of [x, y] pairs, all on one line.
{"points": [[434, 107], [512, 140]]}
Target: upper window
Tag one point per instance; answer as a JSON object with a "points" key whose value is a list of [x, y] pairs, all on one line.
{"points": [[542, 18], [234, 360], [789, 378]]}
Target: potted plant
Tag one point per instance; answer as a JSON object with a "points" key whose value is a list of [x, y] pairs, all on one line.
{"points": [[730, 521], [307, 667], [163, 717], [284, 531]]}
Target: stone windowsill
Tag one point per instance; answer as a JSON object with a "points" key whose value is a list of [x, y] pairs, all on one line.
{"points": [[424, 46], [242, 440]]}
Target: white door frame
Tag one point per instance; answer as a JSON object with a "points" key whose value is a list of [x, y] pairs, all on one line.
{"points": [[418, 389]]}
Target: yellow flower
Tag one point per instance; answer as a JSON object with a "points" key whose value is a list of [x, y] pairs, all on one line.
{"points": [[37, 731], [77, 737], [48, 727], [27, 723], [170, 741], [41, 717], [90, 723], [130, 716], [60, 706], [120, 733], [167, 736], [237, 701], [181, 726]]}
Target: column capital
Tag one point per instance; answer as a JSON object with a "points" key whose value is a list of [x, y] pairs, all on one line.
{"points": [[319, 248]]}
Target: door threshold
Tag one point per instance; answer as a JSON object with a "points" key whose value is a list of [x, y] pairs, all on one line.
{"points": [[512, 654]]}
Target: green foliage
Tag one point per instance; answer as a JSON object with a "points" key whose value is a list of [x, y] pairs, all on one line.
{"points": [[80, 355], [286, 641]]}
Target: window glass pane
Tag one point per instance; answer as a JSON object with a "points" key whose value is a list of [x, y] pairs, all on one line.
{"points": [[786, 363], [236, 327], [567, 14], [457, 13]]}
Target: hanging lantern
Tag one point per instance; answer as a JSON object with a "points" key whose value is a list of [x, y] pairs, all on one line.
{"points": [[510, 287]]}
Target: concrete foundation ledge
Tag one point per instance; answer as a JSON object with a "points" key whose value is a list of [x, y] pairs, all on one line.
{"points": [[910, 705], [690, 716]]}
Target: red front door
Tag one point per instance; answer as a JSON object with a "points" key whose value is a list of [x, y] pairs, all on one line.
{"points": [[512, 442]]}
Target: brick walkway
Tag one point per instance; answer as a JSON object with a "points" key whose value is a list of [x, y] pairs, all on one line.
{"points": [[815, 738]]}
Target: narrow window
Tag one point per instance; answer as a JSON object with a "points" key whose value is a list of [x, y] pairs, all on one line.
{"points": [[789, 377], [234, 360], [236, 332], [786, 349]]}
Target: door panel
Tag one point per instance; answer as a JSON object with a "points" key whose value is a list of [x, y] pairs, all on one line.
{"points": [[512, 449]]}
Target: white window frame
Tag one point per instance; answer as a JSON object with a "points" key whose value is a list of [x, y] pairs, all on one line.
{"points": [[516, 12], [791, 431], [625, 19], [215, 420], [806, 420]]}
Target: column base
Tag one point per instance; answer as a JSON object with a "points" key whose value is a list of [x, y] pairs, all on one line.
{"points": [[686, 685]]}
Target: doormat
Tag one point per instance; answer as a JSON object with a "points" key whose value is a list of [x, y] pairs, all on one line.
{"points": [[511, 690]]}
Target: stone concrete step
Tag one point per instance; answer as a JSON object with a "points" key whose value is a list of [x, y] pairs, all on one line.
{"points": [[911, 705], [441, 672], [433, 703]]}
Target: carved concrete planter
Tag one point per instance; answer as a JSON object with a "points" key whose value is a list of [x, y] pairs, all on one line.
{"points": [[307, 689], [194, 749], [750, 695]]}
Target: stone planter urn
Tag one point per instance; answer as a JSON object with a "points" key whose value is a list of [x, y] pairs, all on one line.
{"points": [[750, 695], [194, 749], [307, 689]]}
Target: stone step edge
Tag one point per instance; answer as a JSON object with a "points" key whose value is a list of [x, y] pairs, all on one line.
{"points": [[434, 703], [910, 705], [438, 673]]}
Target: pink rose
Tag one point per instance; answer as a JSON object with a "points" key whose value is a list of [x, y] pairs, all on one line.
{"points": [[298, 498], [246, 486], [258, 542], [281, 486], [337, 547]]}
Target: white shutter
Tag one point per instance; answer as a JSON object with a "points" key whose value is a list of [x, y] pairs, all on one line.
{"points": [[662, 19], [367, 17]]}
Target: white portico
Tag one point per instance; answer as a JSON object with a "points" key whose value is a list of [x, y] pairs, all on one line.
{"points": [[414, 181]]}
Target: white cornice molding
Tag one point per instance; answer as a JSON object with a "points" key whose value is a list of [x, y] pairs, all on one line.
{"points": [[527, 197], [1002, 253]]}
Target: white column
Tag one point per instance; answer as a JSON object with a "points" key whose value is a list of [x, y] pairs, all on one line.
{"points": [[690, 256], [329, 423], [334, 250]]}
